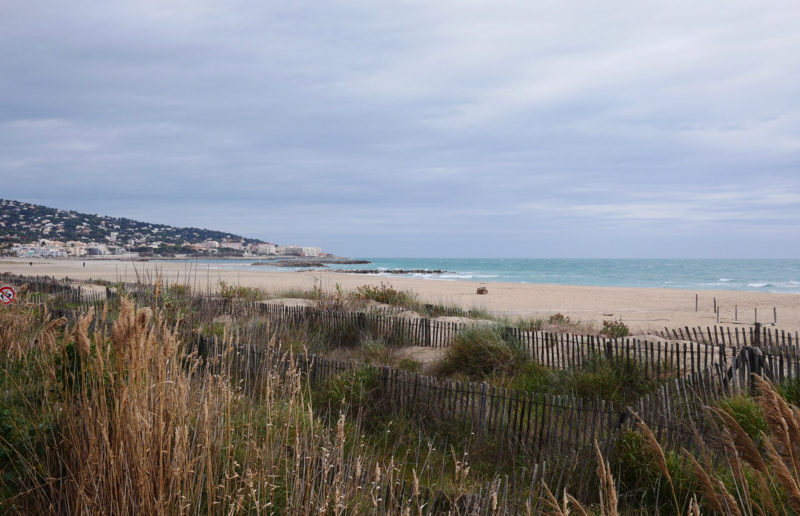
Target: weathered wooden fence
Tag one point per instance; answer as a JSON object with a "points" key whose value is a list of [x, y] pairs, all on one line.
{"points": [[734, 335]]}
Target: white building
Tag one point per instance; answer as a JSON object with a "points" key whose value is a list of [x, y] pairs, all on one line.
{"points": [[295, 250], [266, 248]]}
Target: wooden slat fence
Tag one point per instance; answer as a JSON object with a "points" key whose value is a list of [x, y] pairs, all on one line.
{"points": [[736, 336]]}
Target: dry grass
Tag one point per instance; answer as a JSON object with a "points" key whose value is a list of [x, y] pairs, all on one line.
{"points": [[743, 479], [135, 426], [111, 416]]}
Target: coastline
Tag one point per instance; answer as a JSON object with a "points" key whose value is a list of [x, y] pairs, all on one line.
{"points": [[642, 309]]}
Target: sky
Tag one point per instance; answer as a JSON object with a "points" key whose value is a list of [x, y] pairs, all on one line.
{"points": [[433, 129]]}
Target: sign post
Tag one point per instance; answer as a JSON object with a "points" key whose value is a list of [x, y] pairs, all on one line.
{"points": [[7, 295]]}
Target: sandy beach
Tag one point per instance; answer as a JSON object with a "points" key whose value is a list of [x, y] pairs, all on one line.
{"points": [[642, 309]]}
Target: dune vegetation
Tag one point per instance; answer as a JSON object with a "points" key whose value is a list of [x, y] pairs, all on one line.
{"points": [[158, 400]]}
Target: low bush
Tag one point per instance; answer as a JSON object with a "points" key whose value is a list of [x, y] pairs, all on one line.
{"points": [[336, 301], [482, 351], [614, 329], [356, 393], [409, 364], [239, 292]]}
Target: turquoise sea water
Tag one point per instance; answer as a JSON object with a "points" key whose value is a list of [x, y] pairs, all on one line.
{"points": [[751, 275]]}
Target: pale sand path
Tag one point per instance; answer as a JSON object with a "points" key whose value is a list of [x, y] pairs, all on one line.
{"points": [[641, 308]]}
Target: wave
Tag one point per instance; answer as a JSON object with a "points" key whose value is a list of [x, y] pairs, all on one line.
{"points": [[724, 280], [760, 285]]}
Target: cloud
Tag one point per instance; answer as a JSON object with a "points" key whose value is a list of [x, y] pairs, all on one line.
{"points": [[416, 128]]}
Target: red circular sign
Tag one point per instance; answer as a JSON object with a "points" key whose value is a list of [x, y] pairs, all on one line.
{"points": [[7, 295]]}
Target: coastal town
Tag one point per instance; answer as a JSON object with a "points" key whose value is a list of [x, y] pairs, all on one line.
{"points": [[33, 231]]}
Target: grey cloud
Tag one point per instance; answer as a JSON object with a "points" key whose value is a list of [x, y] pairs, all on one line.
{"points": [[537, 128]]}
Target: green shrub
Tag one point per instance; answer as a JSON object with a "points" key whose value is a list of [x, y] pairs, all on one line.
{"points": [[482, 351], [357, 393], [333, 301], [641, 482], [409, 364], [614, 329], [239, 292]]}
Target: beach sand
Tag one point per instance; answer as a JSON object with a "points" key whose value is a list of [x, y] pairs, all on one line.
{"points": [[642, 309]]}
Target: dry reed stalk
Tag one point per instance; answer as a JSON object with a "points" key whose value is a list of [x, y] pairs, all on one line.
{"points": [[767, 493], [736, 468], [579, 508], [81, 332], [551, 502], [783, 475], [768, 400], [608, 493], [728, 502], [694, 507], [706, 485], [658, 454], [743, 443]]}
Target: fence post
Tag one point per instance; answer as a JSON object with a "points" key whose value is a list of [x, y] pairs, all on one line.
{"points": [[484, 397], [428, 332]]}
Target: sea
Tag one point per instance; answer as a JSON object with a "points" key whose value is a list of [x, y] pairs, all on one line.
{"points": [[756, 275]]}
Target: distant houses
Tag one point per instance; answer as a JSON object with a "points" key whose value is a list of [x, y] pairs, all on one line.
{"points": [[57, 249], [260, 249]]}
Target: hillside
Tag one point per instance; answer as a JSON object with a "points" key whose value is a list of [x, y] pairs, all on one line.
{"points": [[24, 223]]}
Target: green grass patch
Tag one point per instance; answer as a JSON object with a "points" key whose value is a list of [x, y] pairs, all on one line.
{"points": [[641, 483], [480, 352], [617, 379]]}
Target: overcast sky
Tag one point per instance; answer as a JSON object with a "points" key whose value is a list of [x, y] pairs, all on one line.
{"points": [[444, 128]]}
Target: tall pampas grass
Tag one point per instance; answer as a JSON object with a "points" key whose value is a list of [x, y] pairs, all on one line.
{"points": [[129, 423]]}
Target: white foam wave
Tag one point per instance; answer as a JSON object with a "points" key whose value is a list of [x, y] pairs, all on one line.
{"points": [[759, 285], [724, 280]]}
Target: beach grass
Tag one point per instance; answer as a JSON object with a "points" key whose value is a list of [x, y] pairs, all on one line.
{"points": [[120, 411]]}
